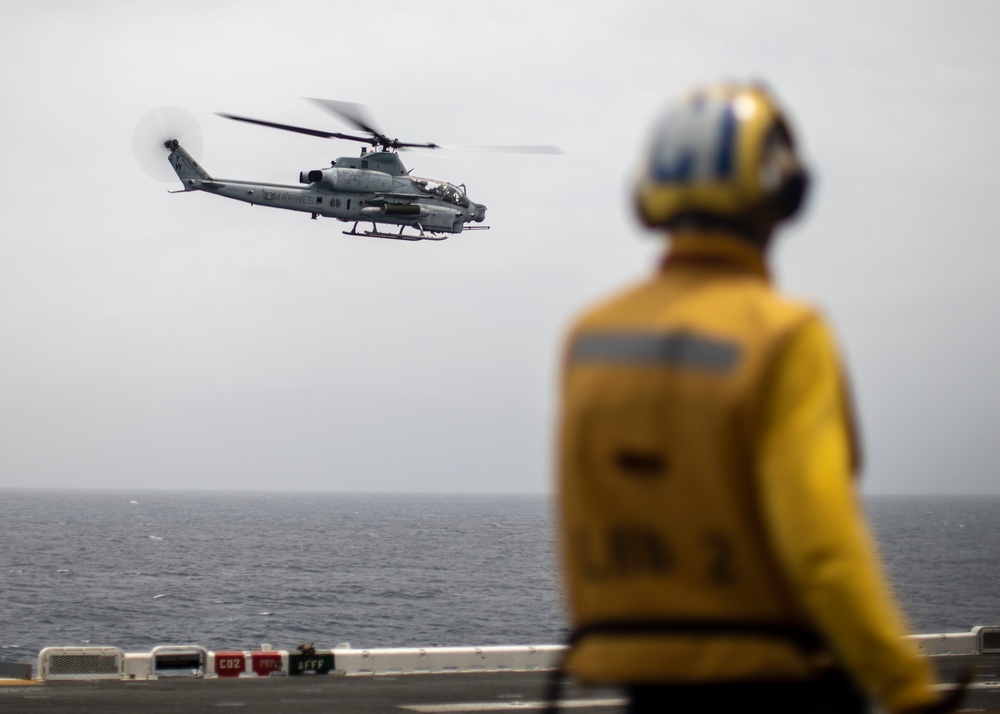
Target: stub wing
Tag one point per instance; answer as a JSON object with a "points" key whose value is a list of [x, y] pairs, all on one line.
{"points": [[386, 197]]}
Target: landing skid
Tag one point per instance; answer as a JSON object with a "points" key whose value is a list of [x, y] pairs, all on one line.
{"points": [[402, 235]]}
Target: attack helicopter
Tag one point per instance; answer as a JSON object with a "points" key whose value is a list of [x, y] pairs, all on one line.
{"points": [[374, 187]]}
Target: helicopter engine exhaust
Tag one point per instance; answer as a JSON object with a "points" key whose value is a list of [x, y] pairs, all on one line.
{"points": [[395, 209], [314, 176]]}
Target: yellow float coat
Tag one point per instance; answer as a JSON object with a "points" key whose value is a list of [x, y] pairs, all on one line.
{"points": [[710, 527]]}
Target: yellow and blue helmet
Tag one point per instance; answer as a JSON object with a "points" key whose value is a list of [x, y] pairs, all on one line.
{"points": [[721, 152]]}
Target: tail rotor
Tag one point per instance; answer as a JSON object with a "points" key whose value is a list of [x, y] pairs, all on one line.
{"points": [[157, 127]]}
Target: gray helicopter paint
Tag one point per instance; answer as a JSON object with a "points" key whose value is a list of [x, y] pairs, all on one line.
{"points": [[346, 192], [357, 180], [378, 161]]}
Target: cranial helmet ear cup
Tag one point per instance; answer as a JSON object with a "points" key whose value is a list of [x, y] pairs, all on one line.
{"points": [[642, 213], [792, 194]]}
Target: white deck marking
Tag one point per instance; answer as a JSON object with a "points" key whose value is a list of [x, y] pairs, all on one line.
{"points": [[511, 706]]}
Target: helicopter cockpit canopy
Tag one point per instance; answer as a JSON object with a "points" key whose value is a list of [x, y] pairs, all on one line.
{"points": [[442, 190]]}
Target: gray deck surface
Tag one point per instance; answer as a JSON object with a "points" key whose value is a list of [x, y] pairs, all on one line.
{"points": [[398, 694], [501, 691]]}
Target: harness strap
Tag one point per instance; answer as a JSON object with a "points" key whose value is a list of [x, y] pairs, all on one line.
{"points": [[807, 640]]}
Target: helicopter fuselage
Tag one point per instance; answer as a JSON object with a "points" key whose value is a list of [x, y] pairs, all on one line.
{"points": [[373, 188]]}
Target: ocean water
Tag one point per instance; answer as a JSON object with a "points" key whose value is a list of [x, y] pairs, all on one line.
{"points": [[233, 571], [941, 554]]}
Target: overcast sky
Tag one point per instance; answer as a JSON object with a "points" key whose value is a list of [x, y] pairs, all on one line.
{"points": [[150, 340]]}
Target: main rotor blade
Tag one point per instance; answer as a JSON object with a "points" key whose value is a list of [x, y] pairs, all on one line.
{"points": [[511, 149], [356, 114], [299, 129], [406, 145]]}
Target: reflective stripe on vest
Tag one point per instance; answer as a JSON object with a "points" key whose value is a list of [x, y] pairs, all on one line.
{"points": [[680, 349]]}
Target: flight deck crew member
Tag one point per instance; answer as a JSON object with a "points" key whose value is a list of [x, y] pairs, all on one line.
{"points": [[714, 550]]}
